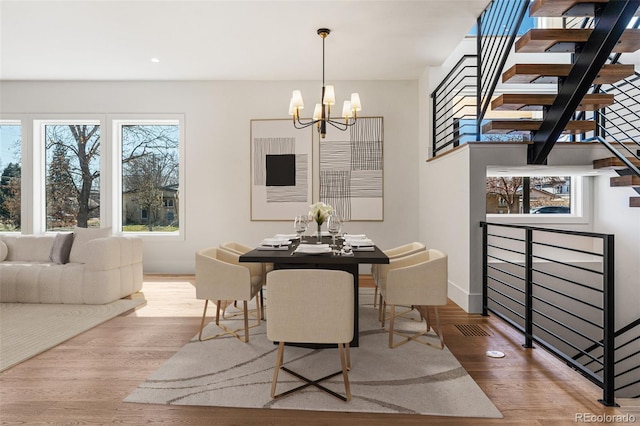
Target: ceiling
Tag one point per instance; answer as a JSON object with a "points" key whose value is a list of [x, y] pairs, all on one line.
{"points": [[228, 40]]}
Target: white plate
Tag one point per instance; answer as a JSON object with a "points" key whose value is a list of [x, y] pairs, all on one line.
{"points": [[275, 242], [313, 249]]}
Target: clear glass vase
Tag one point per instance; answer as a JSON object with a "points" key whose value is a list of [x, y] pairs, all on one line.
{"points": [[319, 234]]}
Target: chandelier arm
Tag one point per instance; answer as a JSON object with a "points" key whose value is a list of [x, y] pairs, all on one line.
{"points": [[339, 124], [303, 125]]}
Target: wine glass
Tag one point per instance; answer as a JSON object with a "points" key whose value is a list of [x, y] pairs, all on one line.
{"points": [[300, 224], [334, 224]]}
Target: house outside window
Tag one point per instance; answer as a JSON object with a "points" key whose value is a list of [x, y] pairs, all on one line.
{"points": [[150, 175], [547, 195]]}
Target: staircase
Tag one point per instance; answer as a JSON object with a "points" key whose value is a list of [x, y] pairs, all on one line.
{"points": [[590, 48], [626, 177]]}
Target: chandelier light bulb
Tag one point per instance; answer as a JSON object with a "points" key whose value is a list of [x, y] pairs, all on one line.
{"points": [[346, 109], [329, 96]]}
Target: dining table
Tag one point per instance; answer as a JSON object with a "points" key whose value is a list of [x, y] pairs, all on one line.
{"points": [[289, 258]]}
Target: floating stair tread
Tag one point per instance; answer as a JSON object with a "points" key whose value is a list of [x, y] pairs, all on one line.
{"points": [[511, 126], [552, 8], [530, 73], [634, 201], [627, 180], [614, 163], [539, 40], [556, 8], [528, 101]]}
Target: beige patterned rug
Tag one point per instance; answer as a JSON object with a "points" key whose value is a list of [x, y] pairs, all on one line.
{"points": [[411, 379], [28, 329]]}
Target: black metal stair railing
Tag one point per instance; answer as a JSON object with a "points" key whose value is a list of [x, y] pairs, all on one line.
{"points": [[461, 100], [557, 288], [627, 349], [616, 125], [454, 106]]}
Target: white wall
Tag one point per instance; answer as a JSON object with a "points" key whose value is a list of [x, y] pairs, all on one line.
{"points": [[612, 215], [217, 121]]}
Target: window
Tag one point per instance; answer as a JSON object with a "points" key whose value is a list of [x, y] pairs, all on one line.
{"points": [[10, 171], [92, 170], [547, 195], [150, 175], [72, 174]]}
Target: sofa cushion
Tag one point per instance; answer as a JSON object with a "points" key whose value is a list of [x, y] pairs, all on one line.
{"points": [[30, 248], [3, 251], [81, 237], [61, 248]]}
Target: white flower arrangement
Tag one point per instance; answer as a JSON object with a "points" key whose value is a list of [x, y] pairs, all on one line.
{"points": [[320, 212]]}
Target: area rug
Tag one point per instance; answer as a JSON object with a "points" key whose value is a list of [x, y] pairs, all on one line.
{"points": [[28, 329], [411, 379]]}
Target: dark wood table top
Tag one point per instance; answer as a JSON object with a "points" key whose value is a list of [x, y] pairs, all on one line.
{"points": [[286, 257]]}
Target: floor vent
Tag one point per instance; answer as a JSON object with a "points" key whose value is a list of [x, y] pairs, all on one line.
{"points": [[471, 330]]}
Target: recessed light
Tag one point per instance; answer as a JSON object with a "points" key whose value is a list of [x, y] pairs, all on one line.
{"points": [[155, 60]]}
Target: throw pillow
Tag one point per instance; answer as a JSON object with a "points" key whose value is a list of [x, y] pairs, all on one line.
{"points": [[4, 251], [81, 237], [61, 248]]}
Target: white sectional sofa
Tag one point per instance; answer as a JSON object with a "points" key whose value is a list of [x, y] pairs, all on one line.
{"points": [[100, 269]]}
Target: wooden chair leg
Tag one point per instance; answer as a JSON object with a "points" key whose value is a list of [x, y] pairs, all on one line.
{"points": [[375, 295], [279, 357], [392, 317], [345, 374], [204, 314], [243, 338], [246, 319]]}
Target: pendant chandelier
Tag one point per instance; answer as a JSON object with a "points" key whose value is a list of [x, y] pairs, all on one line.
{"points": [[322, 112]]}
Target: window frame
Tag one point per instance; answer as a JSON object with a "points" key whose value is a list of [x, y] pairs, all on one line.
{"points": [[580, 201], [115, 212], [25, 149]]}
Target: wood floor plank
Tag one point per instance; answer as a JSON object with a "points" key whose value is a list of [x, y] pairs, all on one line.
{"points": [[84, 380]]}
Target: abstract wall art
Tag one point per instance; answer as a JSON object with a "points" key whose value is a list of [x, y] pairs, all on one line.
{"points": [[281, 170], [351, 170]]}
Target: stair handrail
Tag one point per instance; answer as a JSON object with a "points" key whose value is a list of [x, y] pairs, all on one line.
{"points": [[509, 22]]}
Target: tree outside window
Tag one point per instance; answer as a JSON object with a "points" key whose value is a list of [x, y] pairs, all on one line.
{"points": [[72, 175], [547, 195], [10, 176], [150, 177]]}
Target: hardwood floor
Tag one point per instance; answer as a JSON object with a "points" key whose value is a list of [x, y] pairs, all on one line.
{"points": [[84, 380]]}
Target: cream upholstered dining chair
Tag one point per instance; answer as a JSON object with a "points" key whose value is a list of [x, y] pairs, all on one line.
{"points": [[220, 279], [418, 280], [311, 306], [394, 253], [255, 268]]}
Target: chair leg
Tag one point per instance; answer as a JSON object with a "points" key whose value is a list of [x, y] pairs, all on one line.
{"points": [[392, 317], [345, 362], [277, 369], [204, 314], [246, 320], [375, 295], [234, 333], [345, 368], [424, 314]]}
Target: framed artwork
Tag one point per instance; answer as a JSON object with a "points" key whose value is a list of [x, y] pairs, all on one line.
{"points": [[351, 170], [281, 170]]}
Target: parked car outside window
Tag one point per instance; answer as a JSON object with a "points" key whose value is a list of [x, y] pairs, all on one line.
{"points": [[551, 209]]}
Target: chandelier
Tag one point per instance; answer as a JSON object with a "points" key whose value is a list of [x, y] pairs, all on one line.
{"points": [[322, 112]]}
